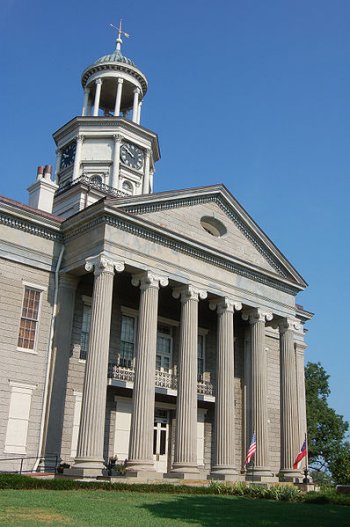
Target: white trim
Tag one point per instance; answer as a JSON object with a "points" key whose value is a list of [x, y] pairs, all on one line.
{"points": [[41, 289], [86, 300]]}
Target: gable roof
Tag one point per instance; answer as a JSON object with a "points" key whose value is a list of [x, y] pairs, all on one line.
{"points": [[157, 207]]}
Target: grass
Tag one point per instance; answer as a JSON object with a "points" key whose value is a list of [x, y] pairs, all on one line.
{"points": [[82, 508]]}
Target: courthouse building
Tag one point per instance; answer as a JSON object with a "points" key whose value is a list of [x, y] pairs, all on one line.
{"points": [[160, 329]]}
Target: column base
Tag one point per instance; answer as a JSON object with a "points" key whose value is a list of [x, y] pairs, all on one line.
{"points": [[144, 475], [86, 468], [224, 473], [261, 474], [290, 475], [184, 471], [139, 466]]}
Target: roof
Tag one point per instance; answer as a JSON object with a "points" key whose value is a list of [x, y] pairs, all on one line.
{"points": [[116, 56]]}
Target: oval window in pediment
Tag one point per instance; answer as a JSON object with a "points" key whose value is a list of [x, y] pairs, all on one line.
{"points": [[213, 226]]}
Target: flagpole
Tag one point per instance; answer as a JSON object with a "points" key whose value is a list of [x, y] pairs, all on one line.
{"points": [[306, 471]]}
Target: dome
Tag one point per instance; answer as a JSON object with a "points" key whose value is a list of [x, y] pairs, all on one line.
{"points": [[116, 56]]}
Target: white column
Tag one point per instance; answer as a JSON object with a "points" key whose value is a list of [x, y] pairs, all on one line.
{"points": [[146, 177], [140, 461], [114, 179], [58, 163], [185, 458], [289, 402], [86, 101], [77, 159], [135, 104], [97, 96], [139, 113], [258, 394], [89, 460], [300, 367], [224, 465], [151, 174], [118, 98]]}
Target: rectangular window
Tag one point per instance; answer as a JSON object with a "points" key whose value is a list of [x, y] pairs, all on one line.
{"points": [[201, 356], [85, 331], [127, 341], [164, 349], [29, 318]]}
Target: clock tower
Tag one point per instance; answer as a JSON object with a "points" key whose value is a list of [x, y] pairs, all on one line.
{"points": [[106, 151]]}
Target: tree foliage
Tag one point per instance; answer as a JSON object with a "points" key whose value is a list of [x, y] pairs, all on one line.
{"points": [[327, 430]]}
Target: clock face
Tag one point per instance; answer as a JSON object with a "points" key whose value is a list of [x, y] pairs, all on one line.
{"points": [[131, 155], [68, 155]]}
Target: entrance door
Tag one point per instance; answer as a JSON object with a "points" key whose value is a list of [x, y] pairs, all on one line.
{"points": [[161, 440]]}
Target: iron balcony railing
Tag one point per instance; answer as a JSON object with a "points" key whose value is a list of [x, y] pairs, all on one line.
{"points": [[162, 379]]}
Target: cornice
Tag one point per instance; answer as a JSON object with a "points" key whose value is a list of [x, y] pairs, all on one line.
{"points": [[150, 233], [31, 227]]}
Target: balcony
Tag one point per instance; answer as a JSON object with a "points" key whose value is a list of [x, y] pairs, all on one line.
{"points": [[164, 382]]}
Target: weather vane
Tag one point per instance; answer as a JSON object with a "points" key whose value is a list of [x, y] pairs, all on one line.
{"points": [[120, 33]]}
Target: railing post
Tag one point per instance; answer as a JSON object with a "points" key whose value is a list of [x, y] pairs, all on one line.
{"points": [[21, 467]]}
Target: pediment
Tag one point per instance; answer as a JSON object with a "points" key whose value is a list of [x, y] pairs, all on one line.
{"points": [[213, 219]]}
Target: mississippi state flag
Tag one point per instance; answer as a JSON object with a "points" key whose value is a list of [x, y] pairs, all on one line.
{"points": [[301, 455], [251, 450]]}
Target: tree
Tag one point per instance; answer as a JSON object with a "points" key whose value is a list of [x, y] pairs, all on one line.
{"points": [[327, 430]]}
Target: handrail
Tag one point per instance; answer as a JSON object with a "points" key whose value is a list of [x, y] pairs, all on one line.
{"points": [[21, 459]]}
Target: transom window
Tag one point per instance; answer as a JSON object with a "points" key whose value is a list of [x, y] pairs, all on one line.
{"points": [[29, 318]]}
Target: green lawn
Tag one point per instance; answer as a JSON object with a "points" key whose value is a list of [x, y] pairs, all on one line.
{"points": [[79, 508]]}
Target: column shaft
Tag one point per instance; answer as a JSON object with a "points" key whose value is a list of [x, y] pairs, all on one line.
{"points": [[224, 403], [257, 416], [77, 159], [135, 105], [118, 98], [92, 422], [185, 458], [289, 403], [97, 97], [142, 418], [114, 181], [146, 177], [86, 101]]}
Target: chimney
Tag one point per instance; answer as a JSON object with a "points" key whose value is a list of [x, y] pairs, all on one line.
{"points": [[42, 192]]}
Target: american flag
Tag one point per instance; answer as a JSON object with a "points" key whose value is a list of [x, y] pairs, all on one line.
{"points": [[251, 450], [301, 455]]}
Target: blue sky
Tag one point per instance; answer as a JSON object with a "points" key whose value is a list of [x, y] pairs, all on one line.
{"points": [[253, 94]]}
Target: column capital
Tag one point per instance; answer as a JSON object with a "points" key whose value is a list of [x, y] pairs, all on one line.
{"points": [[189, 292], [257, 314], [137, 90], [80, 138], [120, 80], [149, 279], [225, 304], [98, 81], [103, 263], [117, 138], [288, 324]]}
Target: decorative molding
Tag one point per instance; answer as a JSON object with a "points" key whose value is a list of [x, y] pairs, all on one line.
{"points": [[225, 304], [31, 228], [186, 202], [102, 263], [255, 315], [189, 292], [288, 324], [149, 279], [165, 240]]}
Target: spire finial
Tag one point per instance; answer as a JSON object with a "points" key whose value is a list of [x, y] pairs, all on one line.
{"points": [[120, 33]]}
